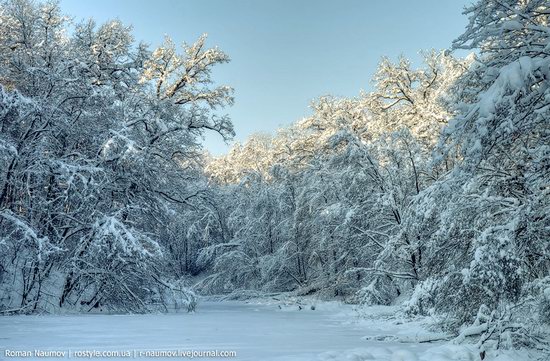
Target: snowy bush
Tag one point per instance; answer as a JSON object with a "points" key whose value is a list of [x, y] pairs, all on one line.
{"points": [[176, 295], [423, 298], [378, 292]]}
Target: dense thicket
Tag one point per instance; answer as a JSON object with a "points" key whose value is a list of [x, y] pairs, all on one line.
{"points": [[98, 161], [433, 187], [431, 190]]}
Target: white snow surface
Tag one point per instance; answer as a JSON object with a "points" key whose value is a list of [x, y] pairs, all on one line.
{"points": [[256, 331]]}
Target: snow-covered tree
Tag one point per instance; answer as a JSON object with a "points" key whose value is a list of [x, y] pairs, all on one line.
{"points": [[98, 154], [483, 227]]}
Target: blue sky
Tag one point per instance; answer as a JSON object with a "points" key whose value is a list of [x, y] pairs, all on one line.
{"points": [[285, 53]]}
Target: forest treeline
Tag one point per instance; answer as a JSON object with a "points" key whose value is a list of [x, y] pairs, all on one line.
{"points": [[431, 190]]}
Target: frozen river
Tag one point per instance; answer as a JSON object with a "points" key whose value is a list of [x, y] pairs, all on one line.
{"points": [[254, 332]]}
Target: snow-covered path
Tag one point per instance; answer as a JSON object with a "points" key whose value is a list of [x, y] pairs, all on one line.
{"points": [[255, 332]]}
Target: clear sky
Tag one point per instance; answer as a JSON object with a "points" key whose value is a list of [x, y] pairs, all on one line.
{"points": [[285, 53]]}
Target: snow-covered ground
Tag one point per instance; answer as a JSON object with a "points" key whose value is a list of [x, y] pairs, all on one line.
{"points": [[255, 331]]}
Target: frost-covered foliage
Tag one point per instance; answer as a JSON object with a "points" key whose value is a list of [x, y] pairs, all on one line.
{"points": [[316, 207], [484, 226], [99, 162], [433, 188]]}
